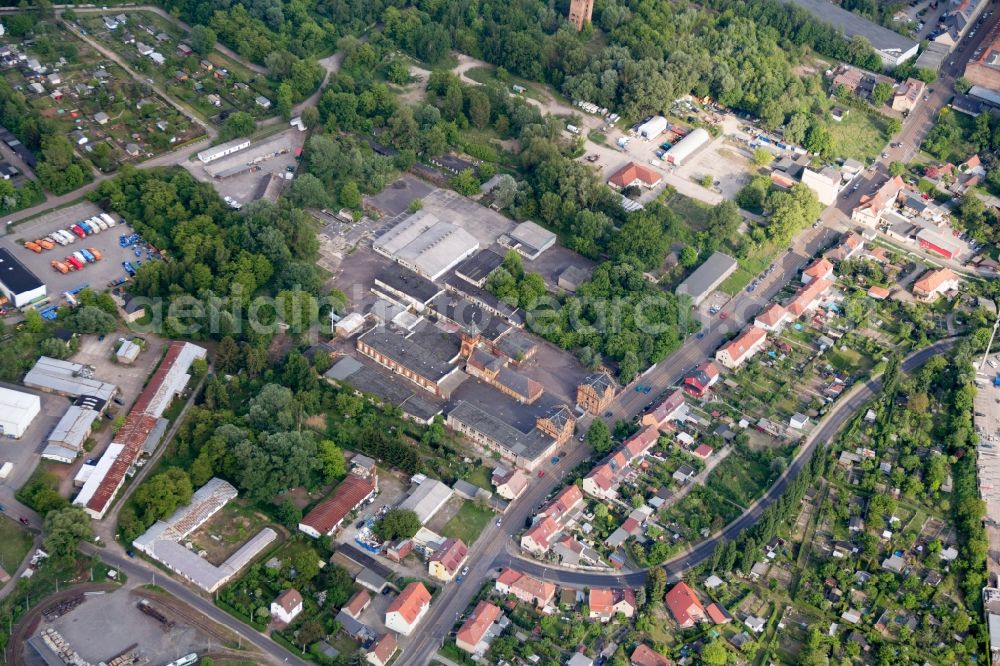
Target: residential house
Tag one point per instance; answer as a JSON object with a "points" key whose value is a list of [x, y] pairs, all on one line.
{"points": [[382, 651], [808, 297], [358, 603], [755, 624], [684, 474], [538, 539], [596, 392], [718, 615], [685, 606], [510, 484], [408, 609], [871, 208], [737, 351], [604, 604], [934, 283], [526, 588], [286, 606], [907, 94], [821, 269], [470, 638], [772, 319], [643, 655], [848, 248], [448, 559], [633, 174], [672, 408], [562, 504], [703, 377]]}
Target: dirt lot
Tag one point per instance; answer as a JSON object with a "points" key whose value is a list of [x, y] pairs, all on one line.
{"points": [[129, 378], [229, 529], [105, 625], [396, 198], [95, 275]]}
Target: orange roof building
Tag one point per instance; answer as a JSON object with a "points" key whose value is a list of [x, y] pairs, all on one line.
{"points": [[539, 536], [381, 653], [526, 588], [685, 606], [821, 269], [934, 283], [643, 655], [878, 293], [634, 174], [358, 603], [741, 348], [807, 298], [470, 636], [329, 514], [406, 610], [772, 319]]}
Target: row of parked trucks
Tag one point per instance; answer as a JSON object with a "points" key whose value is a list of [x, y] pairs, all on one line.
{"points": [[81, 229], [77, 260]]}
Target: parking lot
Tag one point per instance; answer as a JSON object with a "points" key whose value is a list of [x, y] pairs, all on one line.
{"points": [[272, 155], [25, 452], [398, 195], [96, 275]]}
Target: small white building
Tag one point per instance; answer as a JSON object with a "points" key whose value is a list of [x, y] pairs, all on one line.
{"points": [[686, 147], [653, 127], [286, 606]]}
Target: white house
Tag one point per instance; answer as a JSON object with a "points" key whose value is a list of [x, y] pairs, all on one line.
{"points": [[286, 606]]}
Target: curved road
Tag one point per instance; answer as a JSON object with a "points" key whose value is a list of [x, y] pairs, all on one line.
{"points": [[455, 597]]}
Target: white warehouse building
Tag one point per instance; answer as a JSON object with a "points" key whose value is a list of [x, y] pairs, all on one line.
{"points": [[686, 147], [653, 127], [223, 149], [17, 411]]}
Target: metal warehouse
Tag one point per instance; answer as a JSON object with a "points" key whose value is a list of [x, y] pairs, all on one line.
{"points": [[17, 283], [426, 245], [684, 148], [707, 277], [17, 411], [65, 378], [223, 149], [68, 437]]}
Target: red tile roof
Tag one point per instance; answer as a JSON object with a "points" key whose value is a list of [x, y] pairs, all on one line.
{"points": [[482, 618], [933, 280], [601, 600], [807, 295], [643, 655], [819, 268], [451, 554], [684, 605], [631, 172], [642, 441], [718, 614], [385, 648], [289, 599], [542, 532], [741, 344], [357, 604], [878, 293], [703, 451], [410, 601], [772, 315], [329, 513]]}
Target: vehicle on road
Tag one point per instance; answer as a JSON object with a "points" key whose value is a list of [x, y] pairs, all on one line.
{"points": [[499, 521], [700, 335], [24, 521], [541, 473], [724, 315], [555, 460]]}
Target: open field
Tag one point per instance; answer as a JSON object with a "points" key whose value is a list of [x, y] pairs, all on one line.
{"points": [[468, 522], [15, 542]]}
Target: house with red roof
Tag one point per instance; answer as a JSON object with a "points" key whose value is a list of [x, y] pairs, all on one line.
{"points": [[703, 377], [643, 655], [672, 408], [870, 209], [821, 269], [447, 560], [526, 588], [933, 283], [358, 603], [634, 174], [685, 606], [408, 609], [740, 349], [772, 319], [604, 603], [703, 452], [286, 606], [562, 504], [382, 651], [539, 537], [808, 297], [718, 615], [471, 635]]}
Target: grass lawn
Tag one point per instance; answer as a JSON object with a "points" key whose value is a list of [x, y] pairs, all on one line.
{"points": [[481, 477], [468, 523], [848, 360], [694, 212], [749, 268], [14, 545], [860, 135]]}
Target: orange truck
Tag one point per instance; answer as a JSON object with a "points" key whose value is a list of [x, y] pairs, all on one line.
{"points": [[45, 243], [60, 266], [95, 252], [34, 247]]}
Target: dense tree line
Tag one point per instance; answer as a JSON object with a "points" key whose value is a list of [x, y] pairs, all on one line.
{"points": [[213, 252]]}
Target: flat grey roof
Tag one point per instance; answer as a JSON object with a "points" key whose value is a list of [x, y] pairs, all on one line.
{"points": [[405, 281], [67, 378], [708, 276], [479, 266], [426, 243], [527, 445], [386, 388], [852, 25], [427, 499], [533, 235], [430, 354]]}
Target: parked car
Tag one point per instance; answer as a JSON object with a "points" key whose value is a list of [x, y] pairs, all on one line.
{"points": [[45, 243], [34, 247]]}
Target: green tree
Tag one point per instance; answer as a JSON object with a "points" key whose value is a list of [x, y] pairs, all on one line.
{"points": [[284, 98], [897, 168], [881, 93], [202, 39], [239, 123], [64, 530], [163, 494], [350, 195], [599, 437], [465, 182], [334, 465], [714, 653], [90, 319], [762, 157], [397, 524]]}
